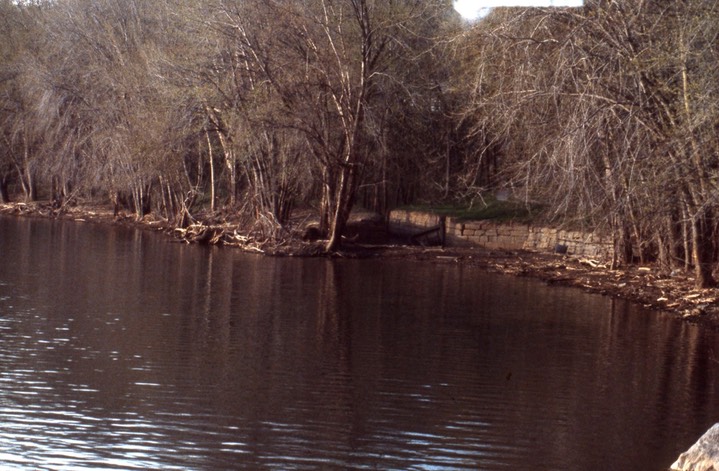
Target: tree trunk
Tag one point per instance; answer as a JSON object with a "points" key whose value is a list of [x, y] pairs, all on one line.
{"points": [[137, 202], [26, 176], [670, 243], [326, 203], [58, 198], [28, 183], [231, 168], [343, 207], [212, 171], [623, 252], [686, 239], [4, 191], [29, 187], [703, 250], [115, 200]]}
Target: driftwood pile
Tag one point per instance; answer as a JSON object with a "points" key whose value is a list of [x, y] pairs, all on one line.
{"points": [[30, 209], [219, 234], [286, 244]]}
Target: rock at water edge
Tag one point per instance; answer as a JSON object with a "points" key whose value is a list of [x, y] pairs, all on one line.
{"points": [[703, 455]]}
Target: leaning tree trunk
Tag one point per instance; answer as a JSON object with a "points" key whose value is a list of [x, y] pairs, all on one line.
{"points": [[29, 187], [344, 200], [27, 182]]}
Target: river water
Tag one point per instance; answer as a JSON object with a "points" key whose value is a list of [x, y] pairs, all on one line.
{"points": [[122, 350]]}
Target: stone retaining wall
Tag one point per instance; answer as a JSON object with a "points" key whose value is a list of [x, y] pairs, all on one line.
{"points": [[507, 235]]}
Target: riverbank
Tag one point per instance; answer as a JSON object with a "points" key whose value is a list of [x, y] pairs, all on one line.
{"points": [[642, 284]]}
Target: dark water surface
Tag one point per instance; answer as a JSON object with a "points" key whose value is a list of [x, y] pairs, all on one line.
{"points": [[120, 350]]}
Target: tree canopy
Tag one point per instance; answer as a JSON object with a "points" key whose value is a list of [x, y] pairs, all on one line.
{"points": [[604, 115]]}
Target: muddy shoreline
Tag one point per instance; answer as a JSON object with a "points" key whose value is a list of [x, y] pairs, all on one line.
{"points": [[645, 285]]}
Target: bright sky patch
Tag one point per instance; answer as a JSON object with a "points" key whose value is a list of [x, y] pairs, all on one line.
{"points": [[474, 9]]}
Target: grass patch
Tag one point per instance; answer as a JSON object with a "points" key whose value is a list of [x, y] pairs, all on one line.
{"points": [[494, 210]]}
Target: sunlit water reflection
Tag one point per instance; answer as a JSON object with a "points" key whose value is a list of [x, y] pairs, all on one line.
{"points": [[121, 350]]}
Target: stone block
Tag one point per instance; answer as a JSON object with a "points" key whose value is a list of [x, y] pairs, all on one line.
{"points": [[703, 455]]}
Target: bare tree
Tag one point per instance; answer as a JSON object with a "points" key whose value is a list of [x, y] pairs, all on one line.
{"points": [[595, 113], [19, 138], [319, 68]]}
